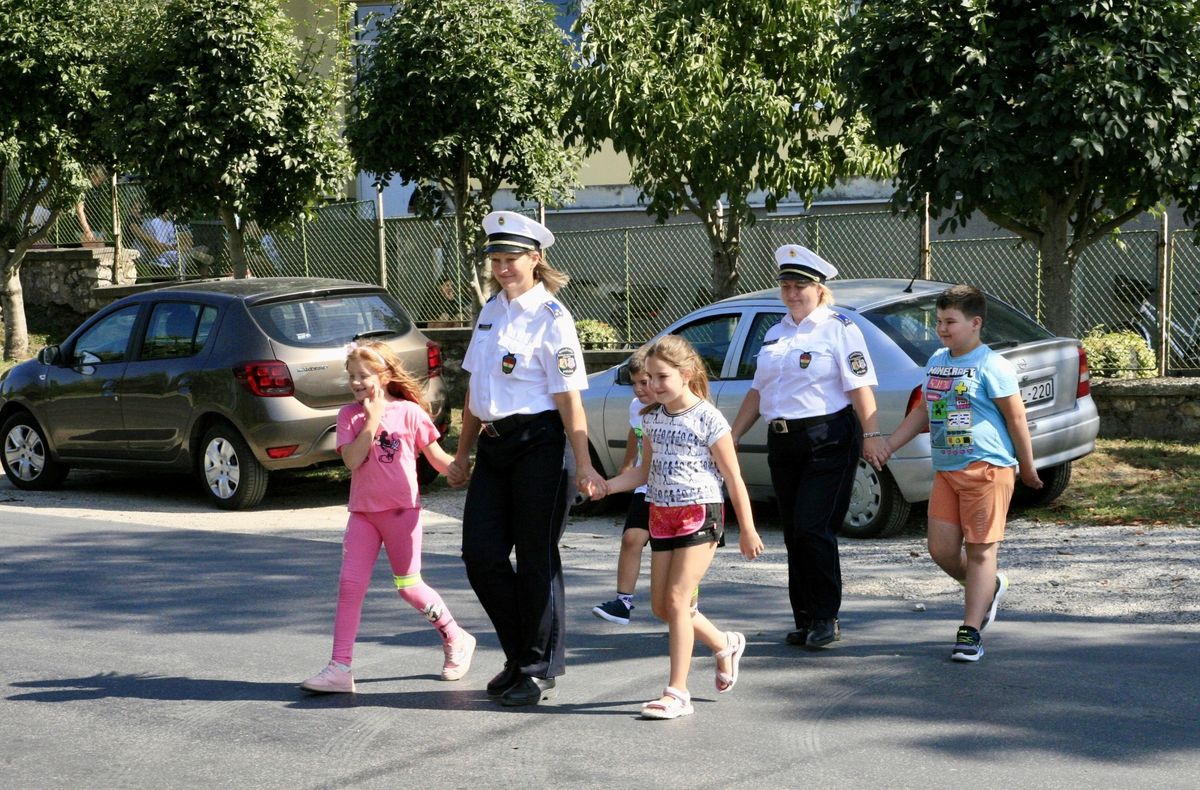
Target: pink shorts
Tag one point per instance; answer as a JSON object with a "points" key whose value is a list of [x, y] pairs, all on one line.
{"points": [[686, 525], [975, 498]]}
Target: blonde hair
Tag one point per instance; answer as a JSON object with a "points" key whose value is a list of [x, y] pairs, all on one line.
{"points": [[543, 272], [679, 354], [382, 360], [826, 295]]}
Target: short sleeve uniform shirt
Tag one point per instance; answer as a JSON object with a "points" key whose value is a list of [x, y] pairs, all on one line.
{"points": [[805, 369], [521, 353]]}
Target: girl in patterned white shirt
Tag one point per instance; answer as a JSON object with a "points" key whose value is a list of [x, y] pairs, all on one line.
{"points": [[687, 452]]}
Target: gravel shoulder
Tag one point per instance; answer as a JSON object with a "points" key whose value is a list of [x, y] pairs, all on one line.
{"points": [[1122, 573]]}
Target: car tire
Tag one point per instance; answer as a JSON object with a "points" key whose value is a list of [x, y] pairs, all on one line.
{"points": [[26, 457], [877, 508], [232, 477], [1054, 482]]}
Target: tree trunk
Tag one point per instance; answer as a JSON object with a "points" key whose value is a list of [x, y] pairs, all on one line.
{"points": [[1057, 276], [235, 243], [724, 241], [12, 298]]}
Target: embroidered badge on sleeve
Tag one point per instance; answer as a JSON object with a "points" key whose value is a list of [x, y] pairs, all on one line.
{"points": [[566, 361], [858, 363]]}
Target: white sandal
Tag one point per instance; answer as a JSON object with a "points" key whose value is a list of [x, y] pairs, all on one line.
{"points": [[733, 650], [673, 704]]}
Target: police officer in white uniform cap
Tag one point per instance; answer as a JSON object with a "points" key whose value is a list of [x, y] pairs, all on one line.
{"points": [[813, 385], [523, 409]]}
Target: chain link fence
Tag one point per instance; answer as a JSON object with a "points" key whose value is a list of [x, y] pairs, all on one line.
{"points": [[639, 279]]}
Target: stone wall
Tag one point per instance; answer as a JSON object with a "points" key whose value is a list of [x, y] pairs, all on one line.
{"points": [[1165, 408], [63, 280]]}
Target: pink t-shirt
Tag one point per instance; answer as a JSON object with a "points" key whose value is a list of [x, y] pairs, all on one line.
{"points": [[387, 479]]}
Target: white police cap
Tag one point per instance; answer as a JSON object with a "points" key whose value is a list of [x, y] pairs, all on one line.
{"points": [[800, 263], [508, 231]]}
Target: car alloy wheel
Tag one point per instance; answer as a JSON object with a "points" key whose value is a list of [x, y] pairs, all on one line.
{"points": [[27, 460], [877, 508], [232, 476]]}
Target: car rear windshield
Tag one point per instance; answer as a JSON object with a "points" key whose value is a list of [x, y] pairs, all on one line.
{"points": [[912, 325], [330, 320]]}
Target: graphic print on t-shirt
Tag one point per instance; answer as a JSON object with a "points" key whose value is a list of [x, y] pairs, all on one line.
{"points": [[949, 390]]}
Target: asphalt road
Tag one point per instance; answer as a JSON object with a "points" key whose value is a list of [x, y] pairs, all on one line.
{"points": [[167, 655]]}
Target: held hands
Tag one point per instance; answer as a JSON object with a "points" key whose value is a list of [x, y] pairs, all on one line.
{"points": [[591, 484], [459, 472], [875, 451]]}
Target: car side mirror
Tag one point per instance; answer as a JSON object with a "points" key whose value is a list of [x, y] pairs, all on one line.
{"points": [[623, 376], [50, 355]]}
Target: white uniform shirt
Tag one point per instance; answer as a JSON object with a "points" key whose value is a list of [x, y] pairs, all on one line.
{"points": [[521, 353], [805, 369]]}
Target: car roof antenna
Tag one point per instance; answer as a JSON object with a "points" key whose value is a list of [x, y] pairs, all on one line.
{"points": [[924, 244]]}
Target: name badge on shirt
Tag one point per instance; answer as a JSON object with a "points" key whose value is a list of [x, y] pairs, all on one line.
{"points": [[508, 362], [484, 327]]}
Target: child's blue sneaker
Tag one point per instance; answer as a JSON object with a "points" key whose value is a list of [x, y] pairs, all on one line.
{"points": [[614, 611], [968, 646]]}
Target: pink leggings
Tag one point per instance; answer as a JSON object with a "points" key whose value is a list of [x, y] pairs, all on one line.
{"points": [[400, 532]]}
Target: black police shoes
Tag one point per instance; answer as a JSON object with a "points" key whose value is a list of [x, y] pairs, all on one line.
{"points": [[823, 631], [529, 691], [505, 679]]}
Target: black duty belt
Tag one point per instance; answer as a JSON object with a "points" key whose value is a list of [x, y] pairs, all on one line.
{"points": [[800, 423], [506, 425]]}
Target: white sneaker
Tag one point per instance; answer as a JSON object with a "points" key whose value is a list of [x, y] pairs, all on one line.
{"points": [[458, 657], [1001, 588], [335, 678]]}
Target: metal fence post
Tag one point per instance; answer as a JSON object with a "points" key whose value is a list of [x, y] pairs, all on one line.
{"points": [[304, 243], [116, 226], [628, 288], [925, 255], [380, 242], [1162, 332]]}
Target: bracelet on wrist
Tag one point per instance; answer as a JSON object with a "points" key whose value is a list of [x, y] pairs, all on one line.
{"points": [[873, 435]]}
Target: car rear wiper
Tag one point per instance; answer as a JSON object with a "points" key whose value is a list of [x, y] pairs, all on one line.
{"points": [[374, 333]]}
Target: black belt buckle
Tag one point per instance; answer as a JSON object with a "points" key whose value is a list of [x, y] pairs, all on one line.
{"points": [[778, 426], [490, 430]]}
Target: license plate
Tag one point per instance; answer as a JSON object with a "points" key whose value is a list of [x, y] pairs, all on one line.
{"points": [[1038, 391]]}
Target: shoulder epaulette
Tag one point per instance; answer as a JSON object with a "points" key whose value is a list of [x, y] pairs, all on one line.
{"points": [[492, 298], [842, 318], [554, 309]]}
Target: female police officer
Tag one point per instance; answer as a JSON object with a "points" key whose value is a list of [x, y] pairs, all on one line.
{"points": [[813, 384], [526, 371]]}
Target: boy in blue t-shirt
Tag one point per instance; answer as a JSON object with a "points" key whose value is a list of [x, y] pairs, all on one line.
{"points": [[977, 434]]}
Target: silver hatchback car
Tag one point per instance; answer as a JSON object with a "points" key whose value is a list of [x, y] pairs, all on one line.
{"points": [[229, 379], [898, 323]]}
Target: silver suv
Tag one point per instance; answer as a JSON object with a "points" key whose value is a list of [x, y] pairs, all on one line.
{"points": [[897, 321], [229, 379]]}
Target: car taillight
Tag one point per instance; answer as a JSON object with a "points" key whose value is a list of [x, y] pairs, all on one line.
{"points": [[282, 452], [1085, 376], [433, 356], [916, 401], [266, 379]]}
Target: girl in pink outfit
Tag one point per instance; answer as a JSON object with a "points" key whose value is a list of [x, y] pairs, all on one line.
{"points": [[379, 436]]}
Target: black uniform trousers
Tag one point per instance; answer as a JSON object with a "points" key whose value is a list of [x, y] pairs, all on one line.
{"points": [[812, 472], [517, 498]]}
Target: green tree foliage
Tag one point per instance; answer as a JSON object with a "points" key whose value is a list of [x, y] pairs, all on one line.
{"points": [[222, 112], [52, 64], [712, 101], [1059, 120], [463, 97]]}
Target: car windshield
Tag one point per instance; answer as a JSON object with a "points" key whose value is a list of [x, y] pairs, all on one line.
{"points": [[912, 326], [317, 321]]}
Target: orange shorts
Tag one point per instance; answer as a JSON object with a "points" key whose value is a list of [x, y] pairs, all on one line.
{"points": [[975, 498]]}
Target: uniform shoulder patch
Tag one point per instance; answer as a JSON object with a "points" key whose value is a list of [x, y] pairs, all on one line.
{"points": [[842, 317], [554, 308], [567, 364], [492, 298]]}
